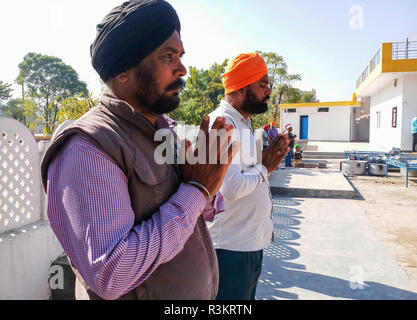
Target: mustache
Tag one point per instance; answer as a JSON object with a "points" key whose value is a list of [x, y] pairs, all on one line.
{"points": [[177, 85], [266, 98]]}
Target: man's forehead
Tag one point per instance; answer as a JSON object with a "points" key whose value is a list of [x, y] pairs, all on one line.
{"points": [[173, 44], [265, 79]]}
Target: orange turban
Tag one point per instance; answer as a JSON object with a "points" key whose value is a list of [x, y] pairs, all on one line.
{"points": [[245, 69]]}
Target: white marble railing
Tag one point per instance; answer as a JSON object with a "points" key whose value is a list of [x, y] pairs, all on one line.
{"points": [[20, 190], [27, 244]]}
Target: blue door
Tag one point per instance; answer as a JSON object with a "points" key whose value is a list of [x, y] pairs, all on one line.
{"points": [[304, 127]]}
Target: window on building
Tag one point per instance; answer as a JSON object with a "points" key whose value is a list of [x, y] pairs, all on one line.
{"points": [[323, 110], [378, 120], [292, 110], [394, 117]]}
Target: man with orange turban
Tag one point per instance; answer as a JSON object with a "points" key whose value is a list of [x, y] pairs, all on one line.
{"points": [[246, 228], [272, 132]]}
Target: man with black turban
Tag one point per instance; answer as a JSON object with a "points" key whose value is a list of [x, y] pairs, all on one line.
{"points": [[134, 228]]}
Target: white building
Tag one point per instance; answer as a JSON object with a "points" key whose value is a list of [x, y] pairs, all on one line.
{"points": [[388, 92], [325, 121], [388, 88]]}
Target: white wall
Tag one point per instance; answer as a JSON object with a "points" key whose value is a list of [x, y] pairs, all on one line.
{"points": [[27, 244], [26, 254], [334, 125], [386, 137], [409, 109], [404, 97]]}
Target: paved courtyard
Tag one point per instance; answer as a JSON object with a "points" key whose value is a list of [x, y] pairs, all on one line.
{"points": [[328, 248]]}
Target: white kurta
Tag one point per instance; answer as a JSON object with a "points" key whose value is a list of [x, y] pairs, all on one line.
{"points": [[246, 224]]}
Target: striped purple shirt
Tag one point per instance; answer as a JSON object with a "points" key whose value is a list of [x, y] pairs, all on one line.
{"points": [[90, 212]]}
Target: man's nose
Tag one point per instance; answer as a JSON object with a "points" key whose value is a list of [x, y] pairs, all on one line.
{"points": [[181, 70], [268, 91]]}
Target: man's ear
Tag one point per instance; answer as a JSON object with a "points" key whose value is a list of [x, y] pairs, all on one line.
{"points": [[122, 77]]}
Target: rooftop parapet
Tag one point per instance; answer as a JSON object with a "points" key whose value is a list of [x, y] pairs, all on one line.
{"points": [[390, 58]]}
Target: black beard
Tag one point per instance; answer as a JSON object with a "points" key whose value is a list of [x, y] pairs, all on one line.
{"points": [[252, 105], [163, 104], [147, 94]]}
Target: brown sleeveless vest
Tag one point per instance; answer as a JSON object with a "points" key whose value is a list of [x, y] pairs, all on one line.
{"points": [[128, 138]]}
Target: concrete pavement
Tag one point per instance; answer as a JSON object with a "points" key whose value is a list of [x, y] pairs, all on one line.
{"points": [[337, 146], [325, 249], [310, 183]]}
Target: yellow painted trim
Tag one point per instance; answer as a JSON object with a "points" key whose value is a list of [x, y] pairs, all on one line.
{"points": [[386, 53], [387, 65], [321, 104]]}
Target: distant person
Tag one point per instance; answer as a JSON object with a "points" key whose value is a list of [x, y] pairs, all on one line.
{"points": [[265, 138], [272, 132], [414, 133], [298, 154], [245, 227], [291, 137]]}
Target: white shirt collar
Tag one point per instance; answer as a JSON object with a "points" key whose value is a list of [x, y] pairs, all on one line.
{"points": [[234, 113]]}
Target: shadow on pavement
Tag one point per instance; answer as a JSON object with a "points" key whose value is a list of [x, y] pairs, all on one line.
{"points": [[280, 274]]}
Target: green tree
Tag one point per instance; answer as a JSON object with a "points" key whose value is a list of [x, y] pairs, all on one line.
{"points": [[295, 95], [204, 91], [280, 80], [5, 94], [5, 91], [74, 107], [13, 109], [259, 120], [47, 81], [202, 95], [308, 96], [23, 111]]}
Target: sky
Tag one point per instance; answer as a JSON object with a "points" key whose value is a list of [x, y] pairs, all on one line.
{"points": [[328, 42]]}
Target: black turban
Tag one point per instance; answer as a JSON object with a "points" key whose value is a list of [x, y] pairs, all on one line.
{"points": [[129, 33]]}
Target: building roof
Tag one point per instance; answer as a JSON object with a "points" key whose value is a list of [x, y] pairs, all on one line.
{"points": [[353, 103]]}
